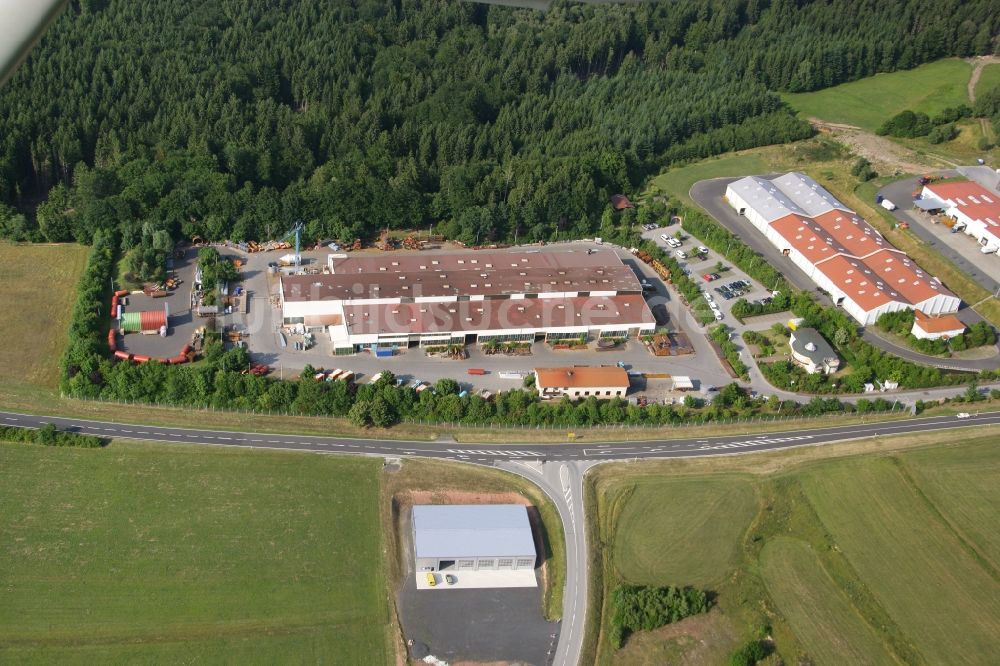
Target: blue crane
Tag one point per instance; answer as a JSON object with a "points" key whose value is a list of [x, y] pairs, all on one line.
{"points": [[297, 232]]}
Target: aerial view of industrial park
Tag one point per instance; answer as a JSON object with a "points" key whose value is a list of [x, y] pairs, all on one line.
{"points": [[500, 332]]}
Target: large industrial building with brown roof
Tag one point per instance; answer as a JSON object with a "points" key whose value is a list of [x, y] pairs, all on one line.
{"points": [[391, 300], [843, 254]]}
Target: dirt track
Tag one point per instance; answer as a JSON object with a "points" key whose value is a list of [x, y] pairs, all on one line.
{"points": [[888, 157], [978, 63]]}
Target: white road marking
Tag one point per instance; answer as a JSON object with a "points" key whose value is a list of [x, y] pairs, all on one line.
{"points": [[495, 452]]}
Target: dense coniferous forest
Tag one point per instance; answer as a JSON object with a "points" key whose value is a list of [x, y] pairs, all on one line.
{"points": [[228, 118]]}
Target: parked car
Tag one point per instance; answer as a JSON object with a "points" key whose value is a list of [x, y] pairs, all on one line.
{"points": [[708, 277], [451, 580], [681, 254], [702, 250], [431, 579], [718, 315], [708, 296], [665, 238]]}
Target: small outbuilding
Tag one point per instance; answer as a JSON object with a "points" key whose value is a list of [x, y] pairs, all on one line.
{"points": [[473, 537], [813, 352], [582, 382], [621, 202], [933, 328]]}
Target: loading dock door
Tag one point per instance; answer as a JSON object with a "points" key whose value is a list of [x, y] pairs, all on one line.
{"points": [[444, 565]]}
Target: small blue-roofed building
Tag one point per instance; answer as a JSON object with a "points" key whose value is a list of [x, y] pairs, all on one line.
{"points": [[476, 537]]}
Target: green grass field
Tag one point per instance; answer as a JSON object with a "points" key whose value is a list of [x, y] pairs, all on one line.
{"points": [[960, 488], [878, 557], [664, 516], [158, 554], [678, 181], [819, 613], [869, 101], [946, 603], [988, 79], [38, 289]]}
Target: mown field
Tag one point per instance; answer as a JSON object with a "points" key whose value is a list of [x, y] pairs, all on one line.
{"points": [[988, 79], [38, 289], [863, 554], [867, 102], [153, 554]]}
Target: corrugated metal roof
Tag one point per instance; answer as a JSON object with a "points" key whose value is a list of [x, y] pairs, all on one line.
{"points": [[476, 530], [930, 204], [807, 194]]}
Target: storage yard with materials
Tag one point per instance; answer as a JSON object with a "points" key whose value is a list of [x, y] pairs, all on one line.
{"points": [[139, 331]]}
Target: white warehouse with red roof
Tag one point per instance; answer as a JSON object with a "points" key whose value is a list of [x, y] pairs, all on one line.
{"points": [[394, 300], [843, 254], [975, 209]]}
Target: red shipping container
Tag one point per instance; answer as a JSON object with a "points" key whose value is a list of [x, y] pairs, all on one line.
{"points": [[111, 340], [152, 320], [476, 371]]}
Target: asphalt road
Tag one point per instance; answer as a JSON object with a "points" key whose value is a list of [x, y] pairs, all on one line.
{"points": [[492, 453], [563, 483]]}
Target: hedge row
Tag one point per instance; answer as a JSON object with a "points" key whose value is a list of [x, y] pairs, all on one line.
{"points": [[48, 435]]}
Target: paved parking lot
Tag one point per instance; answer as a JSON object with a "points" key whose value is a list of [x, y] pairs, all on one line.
{"points": [[700, 265], [475, 580]]}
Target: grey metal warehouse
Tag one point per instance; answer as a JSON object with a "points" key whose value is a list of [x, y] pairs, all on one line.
{"points": [[472, 537]]}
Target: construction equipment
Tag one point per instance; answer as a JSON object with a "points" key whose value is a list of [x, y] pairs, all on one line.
{"points": [[661, 270], [296, 259]]}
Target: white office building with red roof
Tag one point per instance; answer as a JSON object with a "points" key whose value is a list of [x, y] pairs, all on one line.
{"points": [[843, 254], [975, 209]]}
